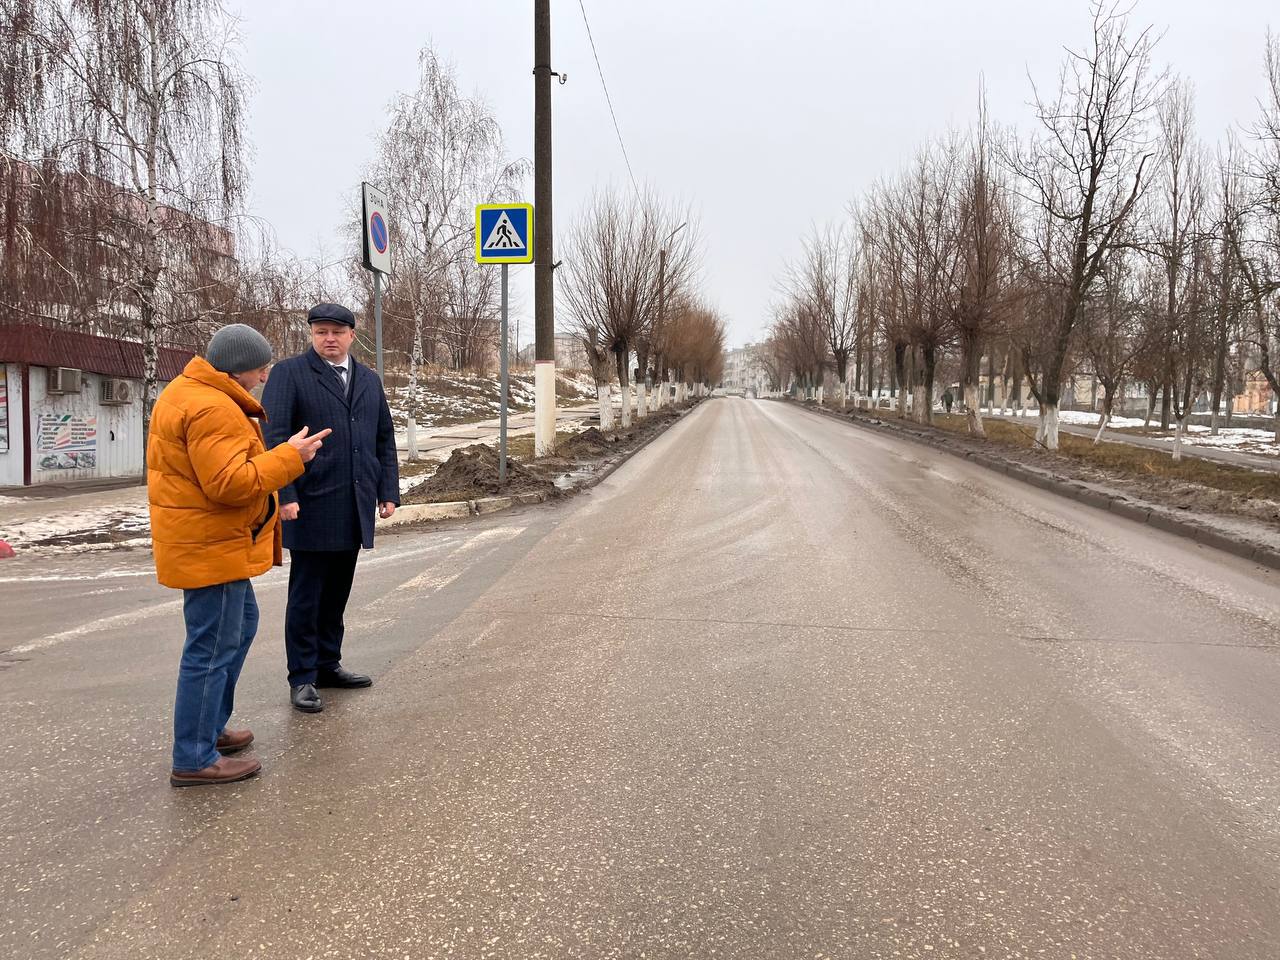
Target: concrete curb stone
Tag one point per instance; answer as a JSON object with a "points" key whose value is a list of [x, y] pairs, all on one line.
{"points": [[417, 512], [1095, 498], [1130, 510]]}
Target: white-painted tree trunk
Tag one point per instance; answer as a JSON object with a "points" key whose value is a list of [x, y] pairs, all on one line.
{"points": [[820, 393], [1102, 426], [411, 432], [1049, 425], [919, 405], [1178, 429], [626, 405], [606, 407], [642, 404], [973, 410]]}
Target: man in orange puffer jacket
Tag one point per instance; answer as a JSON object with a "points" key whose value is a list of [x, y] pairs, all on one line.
{"points": [[215, 522]]}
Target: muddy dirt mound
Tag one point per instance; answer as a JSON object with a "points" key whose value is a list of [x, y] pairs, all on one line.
{"points": [[589, 443], [471, 473]]}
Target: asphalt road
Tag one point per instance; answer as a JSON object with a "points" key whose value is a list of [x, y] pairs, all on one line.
{"points": [[777, 688]]}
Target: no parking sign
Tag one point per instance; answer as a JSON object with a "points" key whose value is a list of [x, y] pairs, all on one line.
{"points": [[377, 238]]}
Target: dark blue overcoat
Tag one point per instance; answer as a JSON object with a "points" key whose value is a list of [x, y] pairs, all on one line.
{"points": [[355, 469]]}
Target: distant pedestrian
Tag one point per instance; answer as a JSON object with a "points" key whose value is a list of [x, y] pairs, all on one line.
{"points": [[329, 513], [947, 401], [215, 522]]}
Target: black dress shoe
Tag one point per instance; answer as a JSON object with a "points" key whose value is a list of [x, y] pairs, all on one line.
{"points": [[342, 678], [305, 698]]}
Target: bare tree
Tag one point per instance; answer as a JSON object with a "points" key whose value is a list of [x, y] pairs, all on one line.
{"points": [[1225, 279], [1178, 245], [440, 155], [143, 95], [1111, 329], [921, 265], [614, 255], [1085, 172], [1258, 249], [824, 286], [983, 240]]}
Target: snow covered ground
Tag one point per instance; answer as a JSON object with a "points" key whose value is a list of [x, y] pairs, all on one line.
{"points": [[1082, 419], [1243, 439], [445, 398], [96, 521]]}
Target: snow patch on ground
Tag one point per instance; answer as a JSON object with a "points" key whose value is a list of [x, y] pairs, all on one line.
{"points": [[1241, 439], [445, 398], [1081, 418], [96, 528]]}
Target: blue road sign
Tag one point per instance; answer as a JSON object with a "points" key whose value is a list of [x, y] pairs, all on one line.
{"points": [[504, 233], [378, 232]]}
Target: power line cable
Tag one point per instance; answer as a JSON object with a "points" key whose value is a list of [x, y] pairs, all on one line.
{"points": [[608, 99]]}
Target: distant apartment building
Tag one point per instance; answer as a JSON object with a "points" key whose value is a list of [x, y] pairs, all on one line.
{"points": [[570, 353], [743, 370]]}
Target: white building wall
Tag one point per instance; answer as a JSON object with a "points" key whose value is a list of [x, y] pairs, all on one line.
{"points": [[74, 435], [11, 453]]}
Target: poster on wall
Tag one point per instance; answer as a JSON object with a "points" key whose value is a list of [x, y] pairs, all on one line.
{"points": [[4, 408], [66, 442]]}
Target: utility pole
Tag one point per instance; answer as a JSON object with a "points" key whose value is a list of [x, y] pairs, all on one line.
{"points": [[544, 324]]}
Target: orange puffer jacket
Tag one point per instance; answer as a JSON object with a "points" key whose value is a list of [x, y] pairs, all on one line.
{"points": [[212, 483]]}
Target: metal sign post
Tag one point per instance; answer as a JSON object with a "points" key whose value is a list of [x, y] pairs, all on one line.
{"points": [[502, 363], [504, 235], [377, 253], [377, 317]]}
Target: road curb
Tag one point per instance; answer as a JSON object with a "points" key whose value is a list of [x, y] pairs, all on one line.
{"points": [[1139, 511]]}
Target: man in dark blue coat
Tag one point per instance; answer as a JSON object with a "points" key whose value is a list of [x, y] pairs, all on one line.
{"points": [[329, 511]]}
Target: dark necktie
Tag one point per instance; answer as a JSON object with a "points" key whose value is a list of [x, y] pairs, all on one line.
{"points": [[342, 375]]}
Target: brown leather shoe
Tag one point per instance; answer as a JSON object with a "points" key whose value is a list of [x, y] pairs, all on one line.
{"points": [[233, 741], [226, 770]]}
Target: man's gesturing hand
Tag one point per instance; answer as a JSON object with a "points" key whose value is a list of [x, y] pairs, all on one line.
{"points": [[308, 445]]}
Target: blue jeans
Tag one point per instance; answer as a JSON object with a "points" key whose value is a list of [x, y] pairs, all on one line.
{"points": [[221, 623]]}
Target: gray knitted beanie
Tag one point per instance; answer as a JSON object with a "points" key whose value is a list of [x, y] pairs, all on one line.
{"points": [[238, 348]]}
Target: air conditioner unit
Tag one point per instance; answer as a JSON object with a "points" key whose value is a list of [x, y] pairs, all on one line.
{"points": [[116, 391], [64, 380]]}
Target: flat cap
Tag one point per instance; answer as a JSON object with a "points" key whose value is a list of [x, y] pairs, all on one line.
{"points": [[333, 312]]}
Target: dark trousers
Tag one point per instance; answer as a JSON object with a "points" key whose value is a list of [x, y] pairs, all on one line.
{"points": [[319, 585]]}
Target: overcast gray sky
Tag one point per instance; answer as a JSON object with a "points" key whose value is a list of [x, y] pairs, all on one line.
{"points": [[765, 118]]}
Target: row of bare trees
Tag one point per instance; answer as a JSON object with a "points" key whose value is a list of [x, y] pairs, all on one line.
{"points": [[1110, 243], [629, 293]]}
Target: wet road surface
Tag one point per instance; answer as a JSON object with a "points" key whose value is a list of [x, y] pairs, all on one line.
{"points": [[777, 688]]}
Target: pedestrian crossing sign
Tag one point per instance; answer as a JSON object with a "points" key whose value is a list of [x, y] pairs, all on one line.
{"points": [[504, 233]]}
